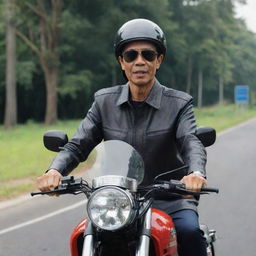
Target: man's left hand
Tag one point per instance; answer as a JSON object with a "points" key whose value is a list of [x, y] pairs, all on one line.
{"points": [[194, 181]]}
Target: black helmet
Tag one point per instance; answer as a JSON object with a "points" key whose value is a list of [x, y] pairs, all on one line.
{"points": [[140, 30]]}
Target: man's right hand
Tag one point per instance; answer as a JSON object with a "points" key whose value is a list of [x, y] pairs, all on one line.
{"points": [[49, 180]]}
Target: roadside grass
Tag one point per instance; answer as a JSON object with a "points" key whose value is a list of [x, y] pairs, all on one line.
{"points": [[223, 117], [9, 191], [23, 156]]}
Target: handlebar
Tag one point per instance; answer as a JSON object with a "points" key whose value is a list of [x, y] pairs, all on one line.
{"points": [[70, 185], [177, 187]]}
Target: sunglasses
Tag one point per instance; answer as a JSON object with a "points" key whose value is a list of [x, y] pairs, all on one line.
{"points": [[131, 55]]}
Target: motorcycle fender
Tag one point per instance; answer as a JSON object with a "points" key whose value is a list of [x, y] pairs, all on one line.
{"points": [[76, 235], [163, 234]]}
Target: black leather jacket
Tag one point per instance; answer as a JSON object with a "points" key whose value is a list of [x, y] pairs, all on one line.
{"points": [[161, 129]]}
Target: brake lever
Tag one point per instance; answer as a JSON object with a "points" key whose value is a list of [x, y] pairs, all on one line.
{"points": [[69, 185], [47, 192]]}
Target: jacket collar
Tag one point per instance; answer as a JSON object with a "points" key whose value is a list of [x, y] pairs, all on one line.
{"points": [[153, 99]]}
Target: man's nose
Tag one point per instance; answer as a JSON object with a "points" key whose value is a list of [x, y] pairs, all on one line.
{"points": [[139, 59]]}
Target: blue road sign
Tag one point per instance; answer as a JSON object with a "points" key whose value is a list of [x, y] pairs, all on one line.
{"points": [[242, 94]]}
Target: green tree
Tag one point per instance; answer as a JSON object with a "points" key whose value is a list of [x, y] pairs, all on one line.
{"points": [[44, 42], [244, 58], [208, 29], [207, 46]]}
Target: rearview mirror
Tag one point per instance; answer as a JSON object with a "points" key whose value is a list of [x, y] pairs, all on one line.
{"points": [[54, 140], [207, 135]]}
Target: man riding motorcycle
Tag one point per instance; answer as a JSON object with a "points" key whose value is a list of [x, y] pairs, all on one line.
{"points": [[157, 121]]}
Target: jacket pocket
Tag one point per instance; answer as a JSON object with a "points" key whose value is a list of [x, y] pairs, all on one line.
{"points": [[158, 132], [114, 134]]}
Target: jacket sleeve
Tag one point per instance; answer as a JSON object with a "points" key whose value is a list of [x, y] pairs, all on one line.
{"points": [[190, 147], [88, 135]]}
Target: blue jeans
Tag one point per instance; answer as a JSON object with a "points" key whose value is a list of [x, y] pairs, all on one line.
{"points": [[190, 238]]}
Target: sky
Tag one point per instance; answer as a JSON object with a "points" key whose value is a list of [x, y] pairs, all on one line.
{"points": [[248, 12]]}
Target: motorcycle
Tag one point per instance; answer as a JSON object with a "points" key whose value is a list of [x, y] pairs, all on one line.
{"points": [[120, 218]]}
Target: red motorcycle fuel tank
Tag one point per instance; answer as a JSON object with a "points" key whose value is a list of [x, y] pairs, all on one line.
{"points": [[162, 233]]}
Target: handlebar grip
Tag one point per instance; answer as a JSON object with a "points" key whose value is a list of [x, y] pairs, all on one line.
{"points": [[210, 189], [35, 193]]}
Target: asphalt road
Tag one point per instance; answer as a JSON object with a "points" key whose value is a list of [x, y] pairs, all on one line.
{"points": [[232, 167], [41, 226]]}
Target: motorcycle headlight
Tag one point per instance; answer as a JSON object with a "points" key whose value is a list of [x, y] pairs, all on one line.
{"points": [[110, 208]]}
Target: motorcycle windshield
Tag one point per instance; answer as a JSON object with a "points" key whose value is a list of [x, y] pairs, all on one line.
{"points": [[115, 157]]}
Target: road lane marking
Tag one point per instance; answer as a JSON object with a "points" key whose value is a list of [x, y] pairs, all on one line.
{"points": [[30, 222]]}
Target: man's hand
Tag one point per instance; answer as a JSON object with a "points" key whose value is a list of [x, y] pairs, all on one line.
{"points": [[194, 181], [49, 180]]}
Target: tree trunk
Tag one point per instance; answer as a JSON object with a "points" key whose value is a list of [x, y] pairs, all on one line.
{"points": [[49, 39], [221, 90], [200, 88], [51, 77], [189, 75], [10, 118]]}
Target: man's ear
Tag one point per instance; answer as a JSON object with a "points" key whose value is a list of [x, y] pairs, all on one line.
{"points": [[159, 61], [121, 61]]}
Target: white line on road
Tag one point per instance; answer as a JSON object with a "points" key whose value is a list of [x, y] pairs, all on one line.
{"points": [[24, 224]]}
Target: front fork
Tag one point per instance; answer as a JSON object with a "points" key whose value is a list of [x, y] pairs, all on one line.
{"points": [[144, 243], [143, 246], [88, 248]]}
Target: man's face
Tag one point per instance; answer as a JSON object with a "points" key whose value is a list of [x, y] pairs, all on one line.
{"points": [[140, 71]]}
